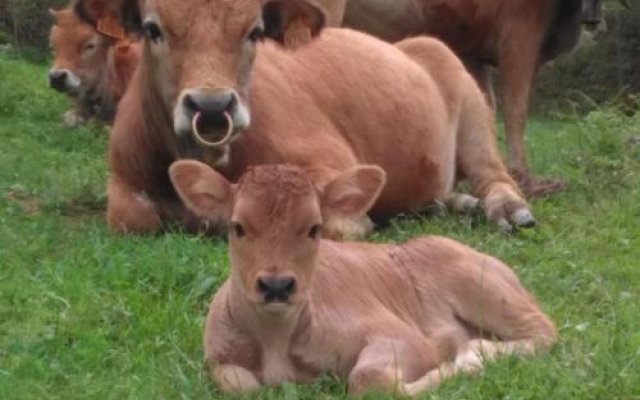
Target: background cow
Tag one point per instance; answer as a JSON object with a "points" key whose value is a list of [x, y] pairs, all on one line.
{"points": [[93, 66], [393, 318], [418, 113], [516, 36]]}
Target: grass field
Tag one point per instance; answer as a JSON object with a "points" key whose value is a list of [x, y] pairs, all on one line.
{"points": [[88, 315]]}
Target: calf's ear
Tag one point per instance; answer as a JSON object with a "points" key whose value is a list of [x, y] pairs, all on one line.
{"points": [[125, 13], [204, 191], [352, 194], [292, 23]]}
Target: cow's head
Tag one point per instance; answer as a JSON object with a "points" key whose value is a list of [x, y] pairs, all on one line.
{"points": [[199, 53], [275, 216], [75, 46]]}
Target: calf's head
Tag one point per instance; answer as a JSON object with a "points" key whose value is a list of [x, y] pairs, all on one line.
{"points": [[275, 216], [198, 53]]}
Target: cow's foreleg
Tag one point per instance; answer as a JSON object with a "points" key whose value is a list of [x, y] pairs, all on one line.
{"points": [[477, 156], [518, 59], [130, 211]]}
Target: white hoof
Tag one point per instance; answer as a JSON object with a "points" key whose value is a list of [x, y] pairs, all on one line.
{"points": [[523, 218]]}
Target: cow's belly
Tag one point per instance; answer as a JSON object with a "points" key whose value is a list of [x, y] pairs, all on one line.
{"points": [[391, 20]]}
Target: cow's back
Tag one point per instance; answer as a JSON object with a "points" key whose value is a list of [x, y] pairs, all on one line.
{"points": [[347, 91]]}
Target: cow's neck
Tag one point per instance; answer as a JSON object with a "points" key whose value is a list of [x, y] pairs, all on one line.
{"points": [[158, 123]]}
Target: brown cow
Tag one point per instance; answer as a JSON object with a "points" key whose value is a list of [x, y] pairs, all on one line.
{"points": [[93, 66], [393, 318], [341, 100], [517, 36]]}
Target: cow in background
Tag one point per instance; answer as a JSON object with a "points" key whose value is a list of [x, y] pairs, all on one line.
{"points": [[392, 318], [92, 64], [516, 36]]}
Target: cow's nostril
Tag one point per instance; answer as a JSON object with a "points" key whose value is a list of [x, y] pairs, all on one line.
{"points": [[190, 104], [209, 103], [276, 289]]}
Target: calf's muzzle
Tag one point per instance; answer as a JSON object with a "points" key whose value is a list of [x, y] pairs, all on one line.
{"points": [[276, 289]]}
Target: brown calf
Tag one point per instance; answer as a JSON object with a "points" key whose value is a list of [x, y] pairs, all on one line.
{"points": [[393, 318], [340, 100], [517, 36], [92, 65]]}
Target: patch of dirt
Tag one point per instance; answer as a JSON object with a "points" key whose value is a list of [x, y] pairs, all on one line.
{"points": [[29, 205]]}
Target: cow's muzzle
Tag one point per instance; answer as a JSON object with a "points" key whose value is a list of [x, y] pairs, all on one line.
{"points": [[213, 117], [63, 81]]}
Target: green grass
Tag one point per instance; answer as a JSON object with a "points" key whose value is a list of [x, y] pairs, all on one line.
{"points": [[88, 315]]}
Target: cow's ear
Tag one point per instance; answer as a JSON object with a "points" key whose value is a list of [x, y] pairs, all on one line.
{"points": [[352, 193], [127, 11], [204, 191], [54, 14], [292, 23]]}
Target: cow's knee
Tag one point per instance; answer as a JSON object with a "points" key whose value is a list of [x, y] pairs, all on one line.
{"points": [[380, 378], [129, 212], [347, 229]]}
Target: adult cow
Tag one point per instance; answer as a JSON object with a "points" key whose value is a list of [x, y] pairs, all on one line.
{"points": [[516, 36], [92, 64], [418, 113]]}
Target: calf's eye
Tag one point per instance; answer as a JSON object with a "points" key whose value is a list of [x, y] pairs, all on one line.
{"points": [[152, 31], [314, 232]]}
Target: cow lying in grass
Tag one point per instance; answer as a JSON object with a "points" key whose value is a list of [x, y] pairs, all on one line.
{"points": [[340, 100], [393, 318], [93, 65], [516, 36]]}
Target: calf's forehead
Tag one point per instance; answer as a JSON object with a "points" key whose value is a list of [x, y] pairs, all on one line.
{"points": [[271, 196]]}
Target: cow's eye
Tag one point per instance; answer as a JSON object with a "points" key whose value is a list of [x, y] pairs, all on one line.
{"points": [[256, 34], [152, 30], [89, 47], [238, 230], [314, 232]]}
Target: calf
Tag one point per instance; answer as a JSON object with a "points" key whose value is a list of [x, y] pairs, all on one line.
{"points": [[216, 66], [92, 64], [517, 36], [393, 318]]}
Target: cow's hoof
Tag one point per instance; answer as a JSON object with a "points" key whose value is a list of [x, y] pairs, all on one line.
{"points": [[72, 119], [523, 218]]}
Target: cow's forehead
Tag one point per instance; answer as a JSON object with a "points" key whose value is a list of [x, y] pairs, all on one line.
{"points": [[182, 15], [69, 30]]}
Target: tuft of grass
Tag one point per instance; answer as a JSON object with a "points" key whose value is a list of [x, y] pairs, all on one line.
{"points": [[88, 315]]}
